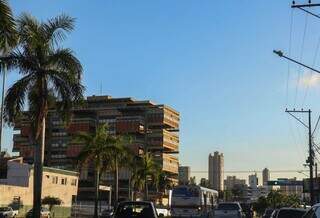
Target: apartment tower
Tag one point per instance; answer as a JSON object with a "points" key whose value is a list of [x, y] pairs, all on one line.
{"points": [[150, 126], [216, 171], [265, 176]]}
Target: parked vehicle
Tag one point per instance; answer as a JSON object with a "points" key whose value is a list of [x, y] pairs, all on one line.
{"points": [[225, 210], [313, 212], [291, 213], [192, 201], [267, 213], [45, 213], [8, 212], [274, 214], [106, 213], [141, 209]]}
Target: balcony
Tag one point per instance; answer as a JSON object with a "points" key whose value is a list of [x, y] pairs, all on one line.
{"points": [[132, 124], [163, 139], [164, 117], [169, 162]]}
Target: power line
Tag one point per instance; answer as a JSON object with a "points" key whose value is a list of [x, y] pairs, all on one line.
{"points": [[290, 44], [300, 58], [253, 171]]}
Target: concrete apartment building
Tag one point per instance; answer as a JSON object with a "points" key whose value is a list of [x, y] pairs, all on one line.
{"points": [[265, 176], [18, 184], [216, 171], [232, 181], [253, 181], [148, 124], [184, 174]]}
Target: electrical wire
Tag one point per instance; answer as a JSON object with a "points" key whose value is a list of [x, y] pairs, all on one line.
{"points": [[289, 52], [301, 56]]}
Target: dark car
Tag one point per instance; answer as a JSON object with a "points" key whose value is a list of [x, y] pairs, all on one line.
{"points": [[291, 213], [267, 213], [135, 209]]}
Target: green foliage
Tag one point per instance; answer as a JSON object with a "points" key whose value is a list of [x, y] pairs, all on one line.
{"points": [[8, 33], [51, 201], [261, 205], [276, 199]]}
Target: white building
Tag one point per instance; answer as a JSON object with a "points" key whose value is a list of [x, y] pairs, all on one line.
{"points": [[253, 181], [216, 168], [18, 184]]}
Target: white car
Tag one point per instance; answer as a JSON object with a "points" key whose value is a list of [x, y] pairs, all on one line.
{"points": [[8, 212], [226, 210]]}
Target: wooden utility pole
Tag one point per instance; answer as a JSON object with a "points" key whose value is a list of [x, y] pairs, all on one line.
{"points": [[310, 160]]}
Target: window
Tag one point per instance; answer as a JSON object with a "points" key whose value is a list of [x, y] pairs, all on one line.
{"points": [[55, 179], [64, 181], [74, 182]]}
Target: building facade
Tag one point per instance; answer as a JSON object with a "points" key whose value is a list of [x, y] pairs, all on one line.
{"points": [[253, 181], [18, 184], [265, 176], [184, 174], [216, 171], [150, 126], [231, 181]]}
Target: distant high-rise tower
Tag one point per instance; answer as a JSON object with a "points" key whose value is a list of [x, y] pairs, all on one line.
{"points": [[265, 176], [253, 181], [216, 168]]}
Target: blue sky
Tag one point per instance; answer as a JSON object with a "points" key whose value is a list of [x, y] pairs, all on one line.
{"points": [[210, 60]]}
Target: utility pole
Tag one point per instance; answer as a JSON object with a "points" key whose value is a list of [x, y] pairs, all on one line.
{"points": [[310, 160], [303, 7]]}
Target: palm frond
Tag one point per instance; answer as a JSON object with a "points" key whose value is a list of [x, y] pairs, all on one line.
{"points": [[56, 28], [15, 98], [8, 34]]}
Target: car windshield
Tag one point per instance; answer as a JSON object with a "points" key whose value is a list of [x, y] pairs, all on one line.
{"points": [[4, 208], [228, 207], [290, 213], [134, 210]]}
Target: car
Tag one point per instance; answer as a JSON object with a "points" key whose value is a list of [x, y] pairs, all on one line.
{"points": [[232, 209], [106, 213], [8, 212], [45, 213], [267, 213], [291, 213], [313, 212], [135, 209], [274, 214]]}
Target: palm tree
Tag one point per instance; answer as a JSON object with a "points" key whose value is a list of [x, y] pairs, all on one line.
{"points": [[118, 157], [8, 40], [47, 71], [95, 150], [147, 169]]}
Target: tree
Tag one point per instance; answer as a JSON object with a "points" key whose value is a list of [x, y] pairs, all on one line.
{"points": [[193, 180], [275, 199], [147, 170], [95, 150], [8, 40], [48, 71], [261, 205], [51, 201], [117, 157]]}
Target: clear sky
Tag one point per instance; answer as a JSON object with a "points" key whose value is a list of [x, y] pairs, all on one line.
{"points": [[210, 60]]}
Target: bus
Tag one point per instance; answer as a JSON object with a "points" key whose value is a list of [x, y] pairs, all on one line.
{"points": [[192, 201]]}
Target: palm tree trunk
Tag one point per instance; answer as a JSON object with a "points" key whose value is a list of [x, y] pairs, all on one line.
{"points": [[38, 172], [116, 182], [2, 101], [96, 199]]}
